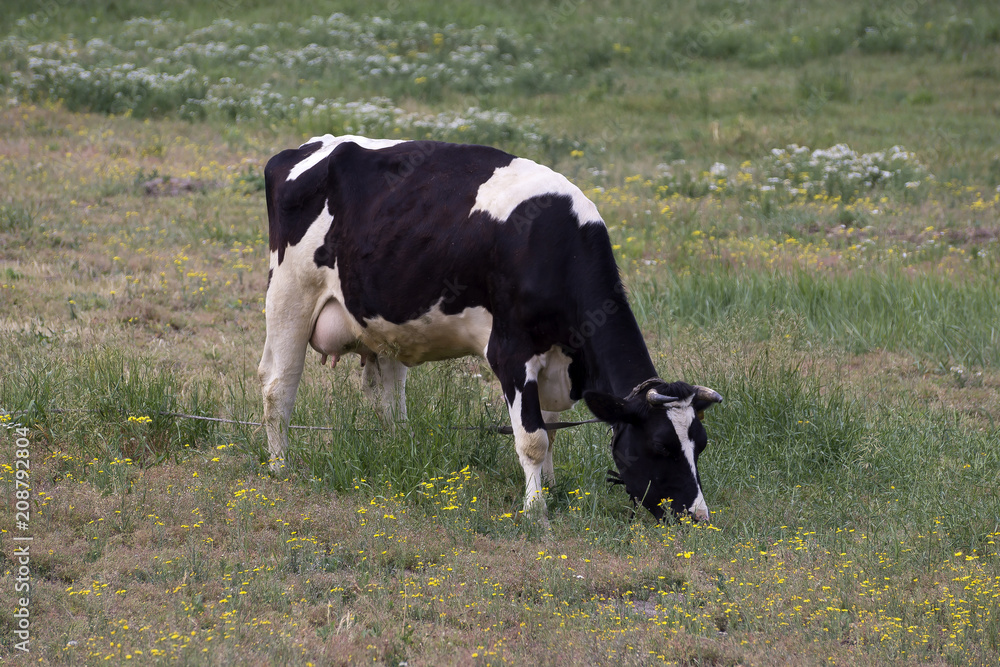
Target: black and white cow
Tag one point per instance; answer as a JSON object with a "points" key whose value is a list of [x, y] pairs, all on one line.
{"points": [[412, 251]]}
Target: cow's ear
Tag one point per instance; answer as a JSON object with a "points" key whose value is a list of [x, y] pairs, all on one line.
{"points": [[608, 408]]}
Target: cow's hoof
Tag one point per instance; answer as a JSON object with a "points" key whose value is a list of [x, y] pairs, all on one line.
{"points": [[537, 514]]}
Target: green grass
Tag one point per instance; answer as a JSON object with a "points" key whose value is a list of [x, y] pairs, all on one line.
{"points": [[15, 217], [928, 317], [848, 317]]}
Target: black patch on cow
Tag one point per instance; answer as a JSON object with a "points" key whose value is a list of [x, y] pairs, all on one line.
{"points": [[577, 374], [292, 205], [698, 436], [531, 420], [402, 237]]}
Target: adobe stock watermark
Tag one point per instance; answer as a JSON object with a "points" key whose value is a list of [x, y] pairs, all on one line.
{"points": [[21, 556], [709, 31], [519, 220], [451, 289], [44, 12], [901, 15], [411, 162], [559, 12], [592, 322], [227, 7], [528, 211]]}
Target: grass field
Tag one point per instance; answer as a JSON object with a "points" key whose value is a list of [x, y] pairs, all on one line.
{"points": [[804, 199]]}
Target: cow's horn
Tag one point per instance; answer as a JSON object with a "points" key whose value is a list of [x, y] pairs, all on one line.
{"points": [[658, 399], [706, 394]]}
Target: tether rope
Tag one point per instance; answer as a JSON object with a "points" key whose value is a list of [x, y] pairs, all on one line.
{"points": [[504, 430]]}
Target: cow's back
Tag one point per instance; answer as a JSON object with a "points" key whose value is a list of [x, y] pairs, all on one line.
{"points": [[415, 234]]}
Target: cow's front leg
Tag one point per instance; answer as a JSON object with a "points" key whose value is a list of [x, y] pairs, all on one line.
{"points": [[520, 386], [531, 441], [383, 381]]}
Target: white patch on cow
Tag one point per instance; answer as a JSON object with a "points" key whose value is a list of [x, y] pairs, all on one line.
{"points": [[523, 179], [431, 336], [533, 368], [299, 277], [682, 416], [330, 142]]}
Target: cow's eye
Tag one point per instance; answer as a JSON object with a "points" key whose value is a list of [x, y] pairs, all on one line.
{"points": [[667, 448]]}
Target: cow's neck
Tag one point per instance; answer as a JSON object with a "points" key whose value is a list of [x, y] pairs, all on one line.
{"points": [[614, 354], [617, 357]]}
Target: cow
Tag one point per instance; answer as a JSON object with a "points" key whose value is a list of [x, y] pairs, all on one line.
{"points": [[411, 251]]}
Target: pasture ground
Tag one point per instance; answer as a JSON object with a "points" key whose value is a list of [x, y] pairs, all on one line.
{"points": [[804, 202]]}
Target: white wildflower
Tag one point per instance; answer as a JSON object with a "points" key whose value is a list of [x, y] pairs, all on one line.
{"points": [[718, 170]]}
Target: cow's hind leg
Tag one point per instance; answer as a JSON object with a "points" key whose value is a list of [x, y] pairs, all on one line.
{"points": [[289, 316], [554, 397], [383, 381], [548, 467]]}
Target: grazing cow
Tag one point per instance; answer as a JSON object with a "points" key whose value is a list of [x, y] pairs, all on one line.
{"points": [[412, 251]]}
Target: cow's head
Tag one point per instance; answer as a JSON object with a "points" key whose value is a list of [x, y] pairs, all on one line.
{"points": [[658, 437]]}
